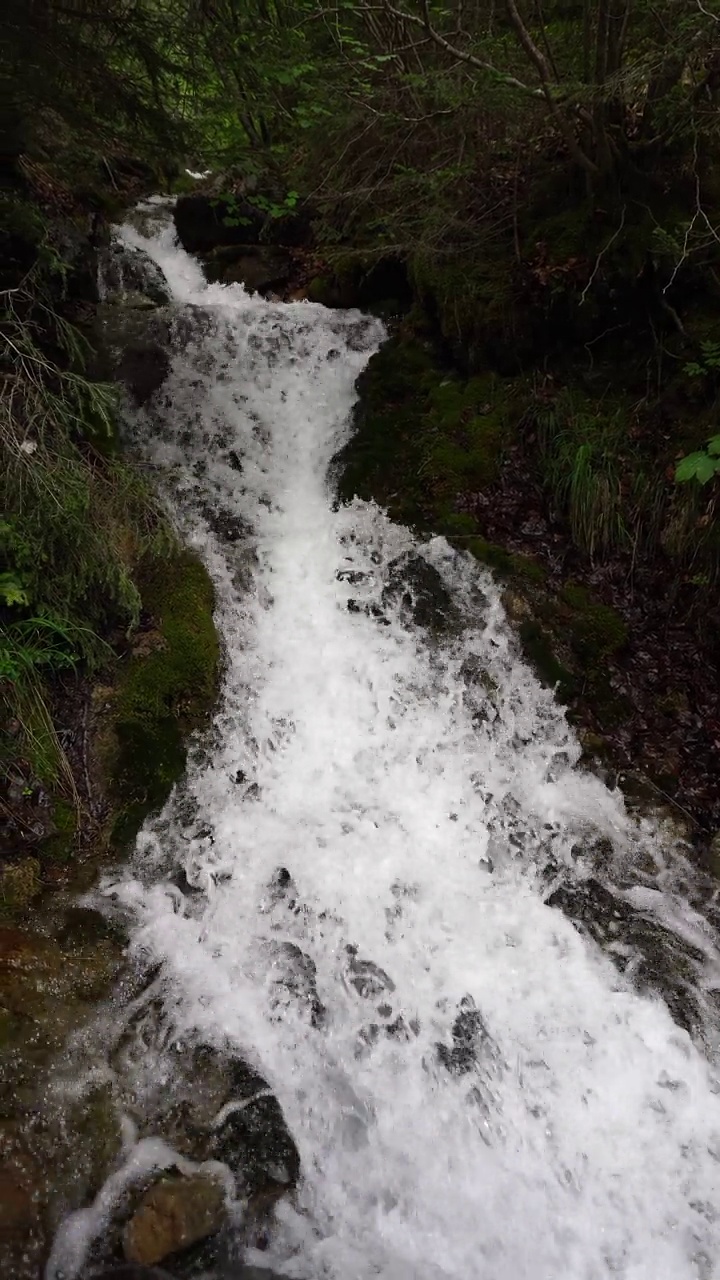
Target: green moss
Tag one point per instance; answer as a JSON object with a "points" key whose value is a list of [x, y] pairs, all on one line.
{"points": [[475, 304], [538, 648], [19, 884], [424, 438], [58, 847], [507, 564], [457, 524], [322, 289], [165, 690], [383, 459], [594, 630], [529, 569], [469, 430]]}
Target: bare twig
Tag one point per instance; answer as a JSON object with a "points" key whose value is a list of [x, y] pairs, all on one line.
{"points": [[601, 255]]}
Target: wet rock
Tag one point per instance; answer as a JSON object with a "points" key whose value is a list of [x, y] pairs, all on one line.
{"points": [[45, 992], [173, 1215], [516, 606], [127, 271], [353, 576], [654, 958], [136, 301], [143, 369], [419, 589], [226, 525], [205, 220], [207, 1106], [18, 1211], [87, 1140], [87, 927], [254, 1141], [370, 610], [378, 285], [261, 268], [78, 253], [132, 347], [367, 978], [295, 972], [22, 1235], [713, 854], [256, 1273], [281, 890], [470, 1037]]}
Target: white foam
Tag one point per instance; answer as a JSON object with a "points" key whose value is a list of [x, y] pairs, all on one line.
{"points": [[586, 1143]]}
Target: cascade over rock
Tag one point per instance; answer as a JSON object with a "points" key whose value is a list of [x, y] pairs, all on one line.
{"points": [[388, 887]]}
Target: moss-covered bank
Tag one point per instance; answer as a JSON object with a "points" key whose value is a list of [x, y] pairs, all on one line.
{"points": [[108, 653], [162, 690]]}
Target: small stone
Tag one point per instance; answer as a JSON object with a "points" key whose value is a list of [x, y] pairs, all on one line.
{"points": [[172, 1216], [134, 299], [516, 606]]}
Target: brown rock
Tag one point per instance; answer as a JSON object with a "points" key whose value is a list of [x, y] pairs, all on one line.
{"points": [[22, 1240], [17, 1210], [173, 1215]]}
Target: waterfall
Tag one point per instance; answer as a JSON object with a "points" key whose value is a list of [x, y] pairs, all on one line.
{"points": [[377, 827]]}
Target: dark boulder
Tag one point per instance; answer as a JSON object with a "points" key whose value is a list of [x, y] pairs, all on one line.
{"points": [[131, 337], [380, 286], [127, 270], [261, 268], [204, 221], [659, 960], [417, 587], [143, 369]]}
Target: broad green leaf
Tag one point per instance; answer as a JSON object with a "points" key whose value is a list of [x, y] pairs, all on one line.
{"points": [[697, 466]]}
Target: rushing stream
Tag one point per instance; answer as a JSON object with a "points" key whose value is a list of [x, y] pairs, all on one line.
{"points": [[388, 798]]}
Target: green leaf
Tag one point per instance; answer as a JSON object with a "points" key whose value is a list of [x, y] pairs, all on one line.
{"points": [[713, 446], [697, 466], [12, 590]]}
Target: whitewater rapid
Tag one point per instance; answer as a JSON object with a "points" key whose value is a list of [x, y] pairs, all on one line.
{"points": [[475, 1090]]}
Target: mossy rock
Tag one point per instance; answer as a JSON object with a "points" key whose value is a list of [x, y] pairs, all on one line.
{"points": [[539, 650], [372, 281], [477, 308], [382, 460], [19, 884], [508, 565], [166, 688], [595, 631], [324, 289], [58, 847], [424, 437]]}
